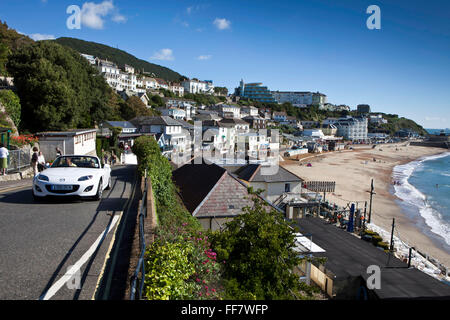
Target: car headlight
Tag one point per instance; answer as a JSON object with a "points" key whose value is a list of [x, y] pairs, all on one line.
{"points": [[85, 178], [41, 177]]}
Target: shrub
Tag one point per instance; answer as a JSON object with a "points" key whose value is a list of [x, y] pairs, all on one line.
{"points": [[383, 245], [376, 239], [180, 243], [168, 268], [11, 102]]}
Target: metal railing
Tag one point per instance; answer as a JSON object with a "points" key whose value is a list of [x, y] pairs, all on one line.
{"points": [[138, 278], [18, 159]]}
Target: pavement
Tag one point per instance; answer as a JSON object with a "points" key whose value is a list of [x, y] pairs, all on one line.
{"points": [[56, 249]]}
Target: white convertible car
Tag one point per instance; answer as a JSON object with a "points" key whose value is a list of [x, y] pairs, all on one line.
{"points": [[81, 176]]}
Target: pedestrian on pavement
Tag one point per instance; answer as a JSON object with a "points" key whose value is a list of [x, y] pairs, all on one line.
{"points": [[58, 152], [41, 162], [4, 153], [35, 160]]}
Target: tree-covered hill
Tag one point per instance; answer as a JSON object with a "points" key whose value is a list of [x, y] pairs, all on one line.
{"points": [[11, 38], [119, 57], [59, 89]]}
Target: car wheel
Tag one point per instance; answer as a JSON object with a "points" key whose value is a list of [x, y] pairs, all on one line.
{"points": [[109, 184], [99, 194]]}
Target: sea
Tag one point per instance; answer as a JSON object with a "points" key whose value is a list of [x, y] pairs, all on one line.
{"points": [[425, 190]]}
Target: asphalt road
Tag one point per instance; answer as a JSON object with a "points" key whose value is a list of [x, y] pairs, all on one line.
{"points": [[42, 244]]}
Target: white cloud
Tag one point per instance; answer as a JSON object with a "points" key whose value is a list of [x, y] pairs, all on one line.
{"points": [[39, 36], [204, 57], [163, 54], [222, 24], [93, 14], [189, 10], [119, 18]]}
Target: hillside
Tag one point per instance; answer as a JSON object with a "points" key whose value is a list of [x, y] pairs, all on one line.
{"points": [[118, 56], [11, 38]]}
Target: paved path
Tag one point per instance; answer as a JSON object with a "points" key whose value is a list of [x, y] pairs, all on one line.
{"points": [[40, 242]]}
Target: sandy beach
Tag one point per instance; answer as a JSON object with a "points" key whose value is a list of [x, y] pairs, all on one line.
{"points": [[353, 170]]}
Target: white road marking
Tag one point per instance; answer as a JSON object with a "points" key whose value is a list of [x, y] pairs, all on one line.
{"points": [[77, 266]]}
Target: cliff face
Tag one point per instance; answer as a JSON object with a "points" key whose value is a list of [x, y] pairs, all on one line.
{"points": [[6, 121]]}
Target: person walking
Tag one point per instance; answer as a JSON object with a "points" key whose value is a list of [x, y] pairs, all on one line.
{"points": [[41, 162], [34, 161], [58, 152], [4, 153]]}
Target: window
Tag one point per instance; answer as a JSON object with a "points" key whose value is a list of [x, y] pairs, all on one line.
{"points": [[287, 187]]}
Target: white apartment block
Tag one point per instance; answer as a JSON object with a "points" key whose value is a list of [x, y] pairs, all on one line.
{"points": [[150, 83], [196, 86], [177, 89], [354, 129], [300, 99]]}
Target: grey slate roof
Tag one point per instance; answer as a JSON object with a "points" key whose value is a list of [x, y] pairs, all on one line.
{"points": [[160, 120], [121, 124]]}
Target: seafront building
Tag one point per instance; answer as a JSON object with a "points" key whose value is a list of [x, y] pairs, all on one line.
{"points": [[256, 91], [300, 99], [352, 128]]}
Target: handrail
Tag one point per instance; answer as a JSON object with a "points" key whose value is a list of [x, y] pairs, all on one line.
{"points": [[138, 278]]}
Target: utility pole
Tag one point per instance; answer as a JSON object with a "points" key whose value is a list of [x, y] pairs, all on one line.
{"points": [[365, 211], [370, 204], [392, 236]]}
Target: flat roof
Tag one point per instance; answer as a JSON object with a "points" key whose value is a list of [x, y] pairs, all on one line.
{"points": [[71, 132], [348, 256]]}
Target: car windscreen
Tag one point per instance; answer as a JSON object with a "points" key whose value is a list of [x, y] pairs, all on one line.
{"points": [[76, 162]]}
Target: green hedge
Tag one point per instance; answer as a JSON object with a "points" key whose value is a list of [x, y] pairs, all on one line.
{"points": [[180, 262]]}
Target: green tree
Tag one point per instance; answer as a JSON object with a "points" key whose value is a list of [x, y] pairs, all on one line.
{"points": [[4, 52], [58, 88], [257, 247], [134, 107], [11, 102]]}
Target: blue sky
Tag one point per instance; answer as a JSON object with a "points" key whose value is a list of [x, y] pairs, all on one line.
{"points": [[314, 45]]}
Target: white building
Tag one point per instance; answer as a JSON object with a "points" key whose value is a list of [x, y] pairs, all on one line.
{"points": [[223, 134], [354, 129], [196, 86], [71, 142], [89, 58], [377, 119], [274, 185], [150, 83], [174, 113], [249, 111], [279, 116], [300, 99], [174, 136], [177, 89]]}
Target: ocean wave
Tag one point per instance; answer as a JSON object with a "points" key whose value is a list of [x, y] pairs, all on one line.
{"points": [[409, 194]]}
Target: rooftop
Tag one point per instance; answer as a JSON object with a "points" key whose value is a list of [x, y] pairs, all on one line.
{"points": [[252, 173], [160, 120], [348, 256]]}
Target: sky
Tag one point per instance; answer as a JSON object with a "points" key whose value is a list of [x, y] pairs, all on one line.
{"points": [[313, 45]]}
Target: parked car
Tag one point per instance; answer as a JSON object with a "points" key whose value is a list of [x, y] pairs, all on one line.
{"points": [[73, 175]]}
